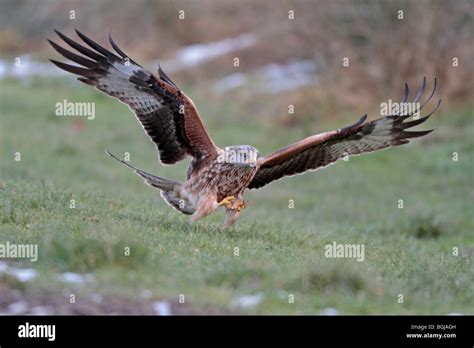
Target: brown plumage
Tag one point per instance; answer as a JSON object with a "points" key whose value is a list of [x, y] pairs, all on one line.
{"points": [[218, 176]]}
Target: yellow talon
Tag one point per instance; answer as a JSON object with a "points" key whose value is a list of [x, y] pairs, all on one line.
{"points": [[240, 205], [227, 202]]}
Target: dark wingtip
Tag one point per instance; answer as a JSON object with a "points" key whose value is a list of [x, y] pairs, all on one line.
{"points": [[421, 90], [165, 77], [77, 70], [405, 93], [61, 35], [359, 122], [116, 48], [94, 45], [436, 107], [55, 62], [415, 134], [87, 81], [355, 125], [435, 84], [426, 132], [110, 38], [81, 35], [56, 47]]}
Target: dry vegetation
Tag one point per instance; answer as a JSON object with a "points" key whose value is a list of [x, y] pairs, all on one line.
{"points": [[383, 50]]}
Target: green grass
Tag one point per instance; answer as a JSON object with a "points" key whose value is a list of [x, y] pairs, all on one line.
{"points": [[281, 251]]}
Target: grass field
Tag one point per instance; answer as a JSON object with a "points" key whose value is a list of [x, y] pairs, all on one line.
{"points": [[408, 251]]}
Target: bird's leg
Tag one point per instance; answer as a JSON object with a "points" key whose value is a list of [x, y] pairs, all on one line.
{"points": [[204, 208], [233, 212], [228, 202], [230, 217], [240, 205]]}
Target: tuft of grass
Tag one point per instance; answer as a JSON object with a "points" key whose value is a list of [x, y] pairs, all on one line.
{"points": [[426, 226], [333, 276]]}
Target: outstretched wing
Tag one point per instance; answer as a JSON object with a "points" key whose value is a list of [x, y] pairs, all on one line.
{"points": [[323, 149], [168, 116]]}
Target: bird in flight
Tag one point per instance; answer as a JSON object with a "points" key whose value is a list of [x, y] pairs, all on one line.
{"points": [[219, 176]]}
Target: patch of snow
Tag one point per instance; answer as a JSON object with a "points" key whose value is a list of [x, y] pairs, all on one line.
{"points": [[3, 68], [3, 267], [280, 78], [21, 274], [329, 311], [19, 307], [75, 278], [248, 301], [41, 310], [162, 308], [229, 83], [97, 298], [197, 54], [272, 78], [186, 57], [28, 67]]}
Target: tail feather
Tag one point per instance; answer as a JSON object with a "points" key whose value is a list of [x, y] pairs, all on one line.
{"points": [[150, 179], [181, 204], [170, 189]]}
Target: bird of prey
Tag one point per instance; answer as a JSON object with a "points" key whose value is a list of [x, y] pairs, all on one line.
{"points": [[219, 176]]}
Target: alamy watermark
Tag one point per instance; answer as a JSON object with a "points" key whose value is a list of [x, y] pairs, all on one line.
{"points": [[245, 155], [400, 109], [28, 330], [80, 109], [336, 250], [19, 251]]}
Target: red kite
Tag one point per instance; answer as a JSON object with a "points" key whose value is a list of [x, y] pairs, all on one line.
{"points": [[219, 176]]}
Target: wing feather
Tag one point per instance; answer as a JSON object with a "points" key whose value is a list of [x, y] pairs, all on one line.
{"points": [[321, 150], [167, 115]]}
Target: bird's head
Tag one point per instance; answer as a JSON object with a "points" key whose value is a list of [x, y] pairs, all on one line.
{"points": [[239, 155]]}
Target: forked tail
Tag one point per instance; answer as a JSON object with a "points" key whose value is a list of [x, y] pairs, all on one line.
{"points": [[150, 179], [171, 190]]}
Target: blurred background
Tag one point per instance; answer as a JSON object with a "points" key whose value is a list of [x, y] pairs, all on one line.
{"points": [[301, 59], [290, 82]]}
